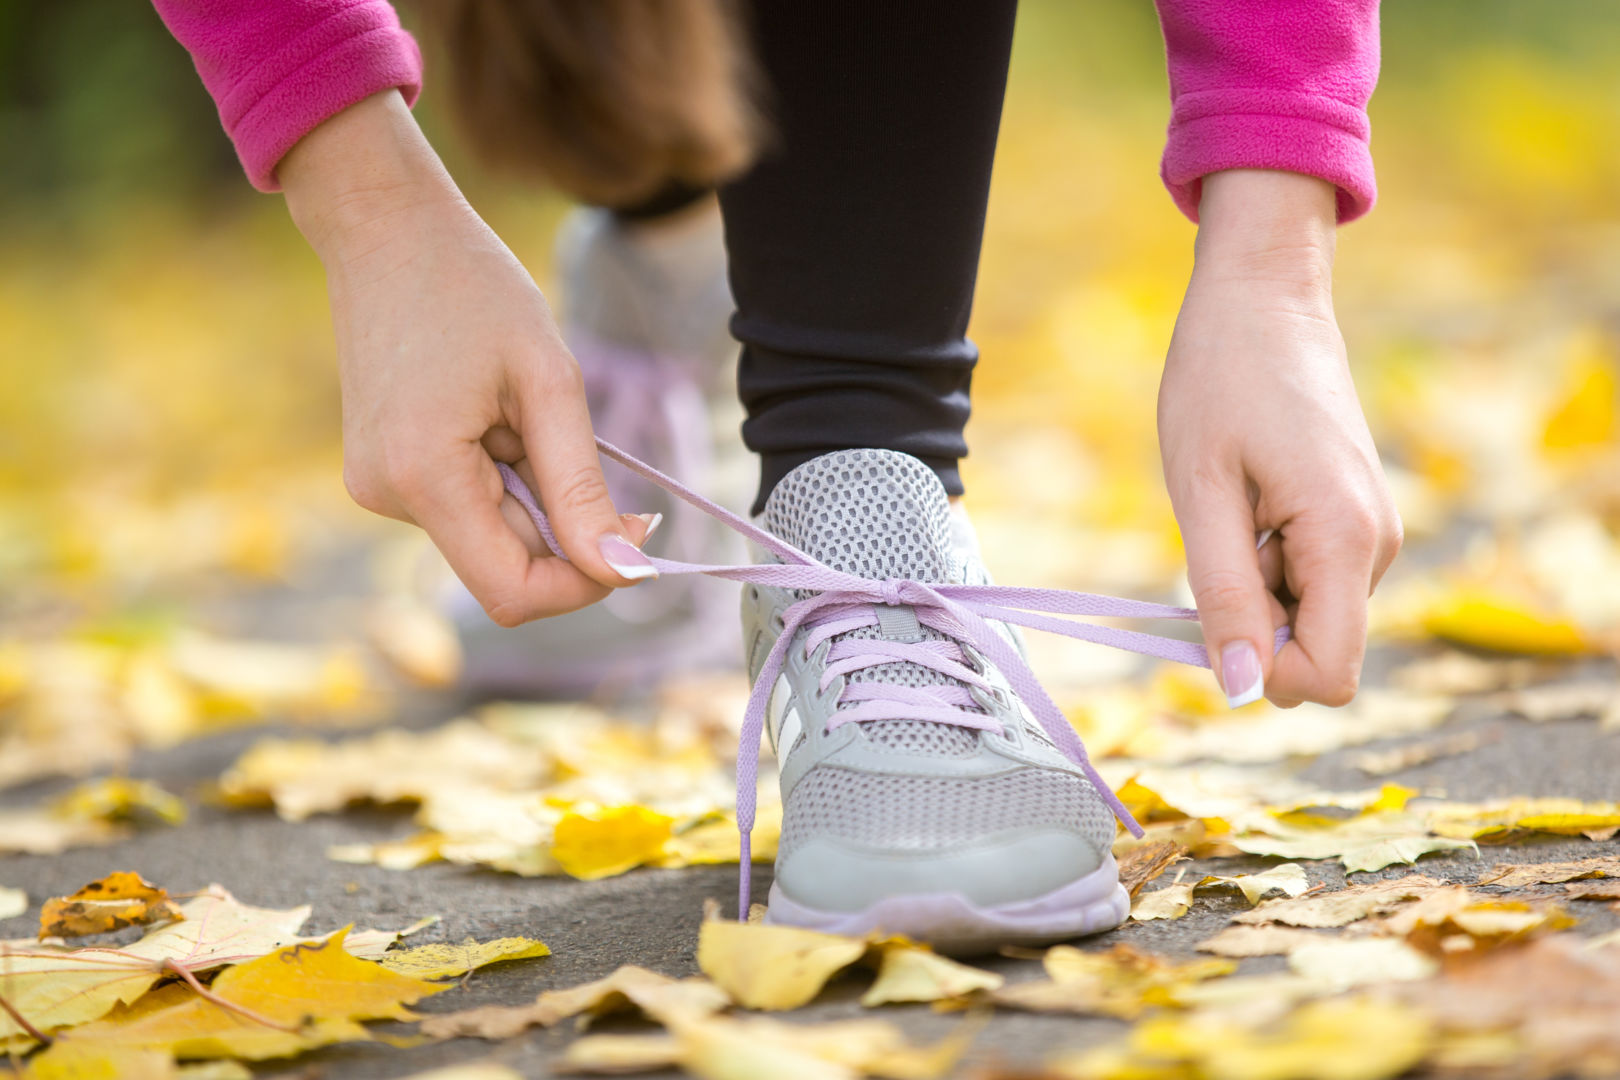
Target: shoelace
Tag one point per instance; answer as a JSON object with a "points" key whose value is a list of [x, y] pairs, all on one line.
{"points": [[839, 602]]}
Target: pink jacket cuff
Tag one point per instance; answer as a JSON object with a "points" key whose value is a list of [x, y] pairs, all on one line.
{"points": [[278, 68], [1271, 84]]}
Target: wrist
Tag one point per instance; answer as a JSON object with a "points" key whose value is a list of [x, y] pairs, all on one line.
{"points": [[1268, 226], [350, 181]]}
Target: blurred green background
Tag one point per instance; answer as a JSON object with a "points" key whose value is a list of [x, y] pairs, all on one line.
{"points": [[168, 404]]}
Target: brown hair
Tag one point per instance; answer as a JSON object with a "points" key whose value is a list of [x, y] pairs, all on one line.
{"points": [[612, 101]]}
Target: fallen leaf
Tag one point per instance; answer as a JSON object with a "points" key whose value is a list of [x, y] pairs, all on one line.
{"points": [[1385, 762], [1358, 961], [294, 999], [443, 961], [1171, 902], [910, 972], [669, 1001], [1267, 940], [1560, 701], [610, 841], [1555, 996], [1456, 673], [1120, 982], [54, 986], [1288, 879], [1357, 1038], [68, 1060], [472, 1070], [39, 832], [1342, 906], [114, 902], [1144, 863], [619, 1054], [1593, 890], [12, 902], [1501, 820], [306, 776], [118, 798], [772, 967], [1480, 617], [1517, 876], [1367, 842], [418, 640]]}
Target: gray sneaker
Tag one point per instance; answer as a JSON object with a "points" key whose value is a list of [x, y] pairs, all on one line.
{"points": [[967, 837]]}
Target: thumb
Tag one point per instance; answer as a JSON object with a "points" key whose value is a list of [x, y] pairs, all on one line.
{"points": [[1234, 605], [561, 449]]}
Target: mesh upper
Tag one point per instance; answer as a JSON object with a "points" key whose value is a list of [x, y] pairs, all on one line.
{"points": [[925, 813], [882, 514], [877, 514]]}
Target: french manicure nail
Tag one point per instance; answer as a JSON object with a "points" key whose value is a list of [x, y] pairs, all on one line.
{"points": [[652, 521], [1240, 674], [625, 558]]}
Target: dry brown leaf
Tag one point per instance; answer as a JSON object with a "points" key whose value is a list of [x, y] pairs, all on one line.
{"points": [[1120, 982], [1517, 876], [1556, 996], [1593, 890], [1343, 906], [114, 902], [1385, 762], [1268, 940], [1142, 864], [669, 1001]]}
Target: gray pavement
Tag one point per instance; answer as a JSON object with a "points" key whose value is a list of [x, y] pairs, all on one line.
{"points": [[651, 917]]}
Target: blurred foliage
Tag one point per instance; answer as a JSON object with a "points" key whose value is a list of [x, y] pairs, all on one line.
{"points": [[168, 405]]}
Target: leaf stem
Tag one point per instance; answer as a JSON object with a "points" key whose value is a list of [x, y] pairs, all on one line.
{"points": [[208, 995], [21, 1021]]}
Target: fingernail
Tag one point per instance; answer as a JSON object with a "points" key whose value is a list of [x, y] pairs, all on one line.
{"points": [[627, 561], [652, 522], [1240, 674]]}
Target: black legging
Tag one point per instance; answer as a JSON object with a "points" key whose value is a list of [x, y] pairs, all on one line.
{"points": [[854, 242]]}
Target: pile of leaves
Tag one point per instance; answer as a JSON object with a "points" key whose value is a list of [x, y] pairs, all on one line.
{"points": [[211, 979]]}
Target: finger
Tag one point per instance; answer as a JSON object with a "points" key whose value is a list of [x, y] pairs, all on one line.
{"points": [[561, 447], [1331, 574], [458, 501], [1271, 564], [1234, 605]]}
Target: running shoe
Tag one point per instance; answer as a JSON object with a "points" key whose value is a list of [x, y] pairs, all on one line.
{"points": [[644, 308], [920, 796]]}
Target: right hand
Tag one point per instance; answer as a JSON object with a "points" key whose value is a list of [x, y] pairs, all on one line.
{"points": [[450, 361]]}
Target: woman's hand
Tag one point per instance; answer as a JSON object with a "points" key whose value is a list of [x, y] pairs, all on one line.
{"points": [[450, 361], [1260, 429]]}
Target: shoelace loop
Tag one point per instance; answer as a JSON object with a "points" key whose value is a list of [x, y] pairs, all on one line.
{"points": [[958, 611]]}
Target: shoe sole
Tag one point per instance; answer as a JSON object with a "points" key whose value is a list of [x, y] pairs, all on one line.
{"points": [[951, 922]]}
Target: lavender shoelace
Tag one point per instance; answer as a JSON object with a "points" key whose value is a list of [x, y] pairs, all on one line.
{"points": [[840, 602]]}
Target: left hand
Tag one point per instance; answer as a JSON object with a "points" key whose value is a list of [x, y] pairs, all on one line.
{"points": [[1260, 428]]}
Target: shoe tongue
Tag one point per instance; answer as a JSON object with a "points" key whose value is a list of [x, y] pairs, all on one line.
{"points": [[878, 514], [874, 513]]}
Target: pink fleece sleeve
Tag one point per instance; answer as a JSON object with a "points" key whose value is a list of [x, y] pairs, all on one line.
{"points": [[1271, 84], [277, 68]]}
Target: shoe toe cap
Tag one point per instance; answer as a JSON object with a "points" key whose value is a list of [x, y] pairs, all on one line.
{"points": [[832, 875]]}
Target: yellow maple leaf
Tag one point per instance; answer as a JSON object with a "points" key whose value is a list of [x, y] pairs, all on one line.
{"points": [[772, 967], [114, 902], [296, 998], [442, 961], [1481, 618], [1585, 416], [912, 972], [609, 842]]}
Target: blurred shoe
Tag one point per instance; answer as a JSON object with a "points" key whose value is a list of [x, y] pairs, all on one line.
{"points": [[645, 310], [965, 826]]}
